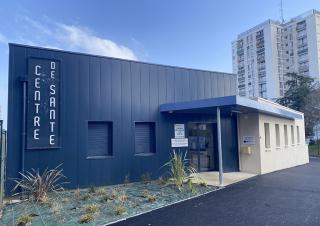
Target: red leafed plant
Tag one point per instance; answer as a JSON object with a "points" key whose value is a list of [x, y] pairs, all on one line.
{"points": [[38, 185]]}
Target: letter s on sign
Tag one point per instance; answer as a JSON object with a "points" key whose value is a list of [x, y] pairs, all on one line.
{"points": [[52, 89]]}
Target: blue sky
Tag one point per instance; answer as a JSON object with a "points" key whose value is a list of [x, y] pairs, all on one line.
{"points": [[189, 33]]}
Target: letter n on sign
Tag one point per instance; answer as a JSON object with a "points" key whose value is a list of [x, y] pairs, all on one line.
{"points": [[43, 102]]}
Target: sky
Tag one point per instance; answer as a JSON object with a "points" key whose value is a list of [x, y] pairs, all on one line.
{"points": [[188, 33]]}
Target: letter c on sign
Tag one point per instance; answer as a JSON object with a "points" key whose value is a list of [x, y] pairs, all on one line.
{"points": [[36, 70]]}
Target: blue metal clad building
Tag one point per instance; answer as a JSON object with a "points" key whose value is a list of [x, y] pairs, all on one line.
{"points": [[101, 117]]}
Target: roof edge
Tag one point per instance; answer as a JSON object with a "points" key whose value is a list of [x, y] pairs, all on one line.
{"points": [[115, 58]]}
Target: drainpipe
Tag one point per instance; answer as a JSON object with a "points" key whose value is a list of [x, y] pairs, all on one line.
{"points": [[219, 147], [23, 125], [239, 141]]}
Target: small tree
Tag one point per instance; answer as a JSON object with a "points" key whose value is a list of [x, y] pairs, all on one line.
{"points": [[299, 87], [303, 95], [311, 111]]}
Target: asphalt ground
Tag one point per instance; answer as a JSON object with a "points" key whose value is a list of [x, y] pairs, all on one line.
{"points": [[287, 197]]}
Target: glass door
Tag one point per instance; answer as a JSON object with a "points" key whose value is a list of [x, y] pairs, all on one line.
{"points": [[201, 146]]}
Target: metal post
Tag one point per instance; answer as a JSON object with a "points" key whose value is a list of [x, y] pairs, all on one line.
{"points": [[1, 165], [24, 112], [1, 125], [219, 147], [317, 141]]}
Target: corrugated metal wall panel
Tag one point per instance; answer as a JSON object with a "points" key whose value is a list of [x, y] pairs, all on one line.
{"points": [[207, 85], [145, 91], [170, 85], [94, 88], [154, 92], [162, 85]]}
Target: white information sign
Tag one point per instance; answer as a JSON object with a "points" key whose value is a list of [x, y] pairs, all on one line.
{"points": [[179, 131], [249, 140], [179, 143]]}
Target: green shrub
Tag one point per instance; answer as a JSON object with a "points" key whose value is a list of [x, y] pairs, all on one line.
{"points": [[192, 187], [151, 198], [119, 193], [203, 184], [145, 193], [101, 192], [179, 168], [86, 218], [24, 219], [91, 209], [120, 210]]}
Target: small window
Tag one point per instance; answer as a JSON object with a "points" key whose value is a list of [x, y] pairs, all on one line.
{"points": [[285, 128], [145, 138], [277, 135], [292, 135], [298, 135], [99, 139], [267, 135]]}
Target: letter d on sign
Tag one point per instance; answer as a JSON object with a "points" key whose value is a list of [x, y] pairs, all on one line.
{"points": [[53, 65]]}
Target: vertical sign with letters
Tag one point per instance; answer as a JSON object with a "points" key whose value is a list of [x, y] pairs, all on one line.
{"points": [[43, 115]]}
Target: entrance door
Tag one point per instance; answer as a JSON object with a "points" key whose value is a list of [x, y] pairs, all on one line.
{"points": [[201, 146]]}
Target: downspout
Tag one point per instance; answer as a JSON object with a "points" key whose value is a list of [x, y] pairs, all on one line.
{"points": [[23, 125], [239, 140]]}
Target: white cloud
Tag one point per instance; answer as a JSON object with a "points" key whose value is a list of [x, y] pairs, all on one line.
{"points": [[85, 40], [74, 38], [3, 39]]}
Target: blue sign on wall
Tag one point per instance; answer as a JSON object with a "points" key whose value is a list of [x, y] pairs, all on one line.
{"points": [[43, 104]]}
